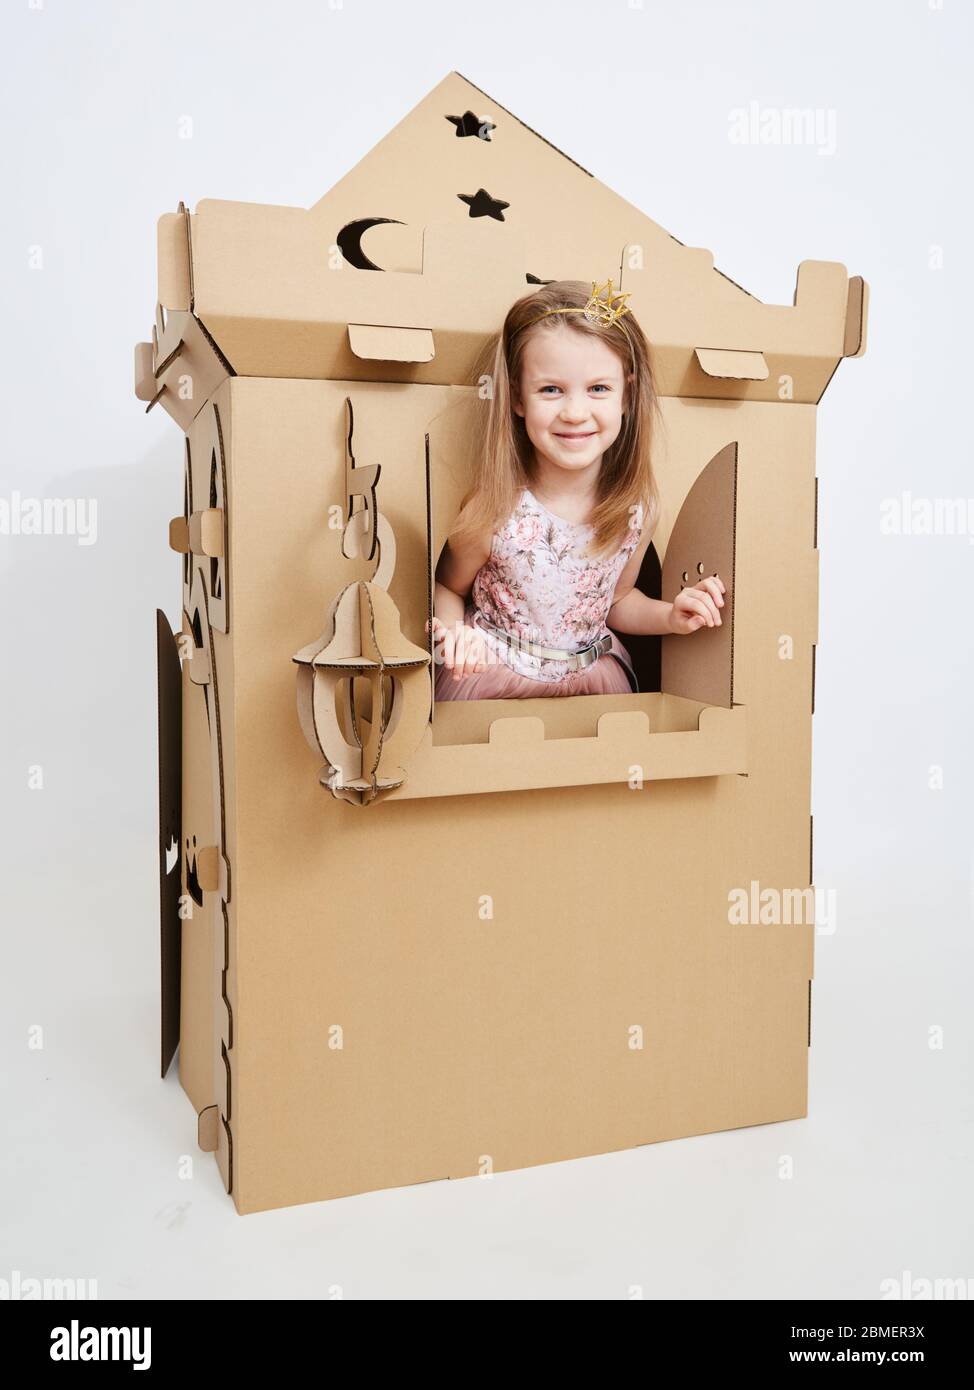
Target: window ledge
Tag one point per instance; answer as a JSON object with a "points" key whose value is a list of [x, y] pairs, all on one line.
{"points": [[518, 757]]}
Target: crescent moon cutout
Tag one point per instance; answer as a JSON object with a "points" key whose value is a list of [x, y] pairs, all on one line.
{"points": [[350, 241]]}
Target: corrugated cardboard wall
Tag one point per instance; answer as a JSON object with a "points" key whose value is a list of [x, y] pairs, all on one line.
{"points": [[512, 978]]}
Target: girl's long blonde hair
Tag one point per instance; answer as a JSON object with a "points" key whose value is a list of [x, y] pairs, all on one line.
{"points": [[505, 452]]}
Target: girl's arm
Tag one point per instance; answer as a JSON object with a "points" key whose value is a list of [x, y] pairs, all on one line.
{"points": [[448, 606], [634, 612], [458, 565], [459, 647]]}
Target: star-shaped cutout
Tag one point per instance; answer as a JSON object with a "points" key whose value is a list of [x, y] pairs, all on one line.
{"points": [[471, 124], [481, 204]]}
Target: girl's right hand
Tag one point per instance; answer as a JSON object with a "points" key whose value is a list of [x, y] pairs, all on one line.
{"points": [[460, 648]]}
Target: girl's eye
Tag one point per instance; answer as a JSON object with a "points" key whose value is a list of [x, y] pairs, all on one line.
{"points": [[599, 386]]}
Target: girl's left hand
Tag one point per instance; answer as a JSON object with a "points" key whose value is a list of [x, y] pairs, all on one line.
{"points": [[697, 607]]}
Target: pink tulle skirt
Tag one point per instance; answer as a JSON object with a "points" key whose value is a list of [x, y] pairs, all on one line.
{"points": [[607, 676]]}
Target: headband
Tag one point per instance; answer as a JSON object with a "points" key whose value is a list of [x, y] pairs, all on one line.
{"points": [[605, 312]]}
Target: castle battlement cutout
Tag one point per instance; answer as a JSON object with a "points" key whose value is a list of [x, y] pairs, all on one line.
{"points": [[488, 934]]}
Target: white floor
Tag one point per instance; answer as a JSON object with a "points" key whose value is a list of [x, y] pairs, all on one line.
{"points": [[881, 1180]]}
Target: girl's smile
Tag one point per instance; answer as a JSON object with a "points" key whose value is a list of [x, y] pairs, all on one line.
{"points": [[575, 439]]}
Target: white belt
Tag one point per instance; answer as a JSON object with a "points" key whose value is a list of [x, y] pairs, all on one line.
{"points": [[577, 660]]}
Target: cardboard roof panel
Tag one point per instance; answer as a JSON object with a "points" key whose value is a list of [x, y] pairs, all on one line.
{"points": [[428, 164], [440, 228]]}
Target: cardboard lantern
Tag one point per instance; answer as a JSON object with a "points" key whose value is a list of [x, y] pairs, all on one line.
{"points": [[479, 935]]}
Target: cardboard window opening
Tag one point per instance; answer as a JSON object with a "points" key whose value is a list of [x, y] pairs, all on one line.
{"points": [[690, 727]]}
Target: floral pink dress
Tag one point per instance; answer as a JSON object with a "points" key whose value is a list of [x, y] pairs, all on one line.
{"points": [[538, 583]]}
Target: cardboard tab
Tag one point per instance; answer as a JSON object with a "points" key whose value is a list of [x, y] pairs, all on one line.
{"points": [[186, 366], [209, 868], [740, 366], [205, 532], [516, 733], [174, 260], [857, 313], [207, 1128], [145, 382], [179, 535], [378, 343]]}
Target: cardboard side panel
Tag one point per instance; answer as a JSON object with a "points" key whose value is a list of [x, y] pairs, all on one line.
{"points": [[170, 744], [701, 666], [197, 1003], [208, 778], [212, 671]]}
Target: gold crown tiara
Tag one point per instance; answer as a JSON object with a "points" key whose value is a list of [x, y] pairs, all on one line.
{"points": [[604, 312]]}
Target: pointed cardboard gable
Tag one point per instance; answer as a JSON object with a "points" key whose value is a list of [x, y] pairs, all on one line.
{"points": [[404, 270]]}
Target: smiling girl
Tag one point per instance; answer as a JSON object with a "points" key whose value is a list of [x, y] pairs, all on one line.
{"points": [[545, 553]]}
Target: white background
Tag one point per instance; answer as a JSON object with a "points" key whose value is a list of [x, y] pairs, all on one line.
{"points": [[284, 99]]}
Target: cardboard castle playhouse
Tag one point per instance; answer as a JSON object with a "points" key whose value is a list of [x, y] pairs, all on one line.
{"points": [[447, 941]]}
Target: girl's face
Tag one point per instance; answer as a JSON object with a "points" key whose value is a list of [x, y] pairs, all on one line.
{"points": [[571, 395]]}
